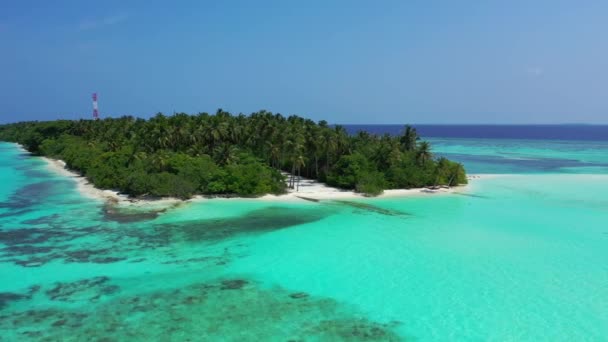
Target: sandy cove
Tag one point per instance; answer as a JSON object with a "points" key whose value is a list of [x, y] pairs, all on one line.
{"points": [[308, 190]]}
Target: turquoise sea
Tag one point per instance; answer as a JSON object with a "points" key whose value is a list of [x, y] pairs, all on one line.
{"points": [[521, 254]]}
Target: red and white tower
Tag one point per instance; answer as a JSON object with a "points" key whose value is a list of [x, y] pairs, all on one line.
{"points": [[95, 108]]}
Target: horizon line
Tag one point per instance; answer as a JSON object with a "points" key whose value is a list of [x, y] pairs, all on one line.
{"points": [[475, 124]]}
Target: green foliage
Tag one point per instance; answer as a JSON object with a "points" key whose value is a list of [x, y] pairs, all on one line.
{"points": [[450, 173], [407, 172], [138, 182], [184, 155], [168, 184], [371, 183], [252, 178], [348, 170], [356, 171]]}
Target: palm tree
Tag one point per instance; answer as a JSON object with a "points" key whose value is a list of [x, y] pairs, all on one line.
{"points": [[409, 138], [423, 153], [299, 163], [160, 159], [225, 154], [342, 140], [314, 147], [330, 146], [214, 132], [274, 151]]}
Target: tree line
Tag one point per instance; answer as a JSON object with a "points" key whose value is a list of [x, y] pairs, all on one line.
{"points": [[222, 154]]}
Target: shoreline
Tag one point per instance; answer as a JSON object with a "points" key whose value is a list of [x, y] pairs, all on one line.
{"points": [[309, 190], [87, 189]]}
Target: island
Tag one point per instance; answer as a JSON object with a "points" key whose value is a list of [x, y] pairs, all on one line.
{"points": [[241, 155]]}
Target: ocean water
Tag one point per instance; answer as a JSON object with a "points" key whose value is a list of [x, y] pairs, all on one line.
{"points": [[521, 254], [525, 156], [524, 132]]}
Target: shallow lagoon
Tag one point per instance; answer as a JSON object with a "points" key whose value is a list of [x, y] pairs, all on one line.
{"points": [[512, 257]]}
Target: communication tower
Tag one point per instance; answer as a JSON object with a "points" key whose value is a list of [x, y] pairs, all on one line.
{"points": [[95, 107]]}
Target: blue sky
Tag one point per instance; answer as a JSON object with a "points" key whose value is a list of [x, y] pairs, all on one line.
{"points": [[344, 61]]}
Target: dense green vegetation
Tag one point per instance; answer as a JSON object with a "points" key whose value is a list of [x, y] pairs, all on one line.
{"points": [[183, 155]]}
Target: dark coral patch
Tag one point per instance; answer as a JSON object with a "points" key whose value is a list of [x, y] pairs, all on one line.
{"points": [[84, 255], [34, 289], [30, 195], [43, 220], [204, 311], [233, 284], [107, 260], [214, 260], [78, 256], [115, 213], [37, 190], [35, 174], [258, 221], [111, 213], [48, 320], [17, 212], [471, 195], [36, 246], [29, 235], [353, 329], [8, 297], [372, 208], [90, 289], [26, 250], [33, 247], [32, 333], [138, 260], [31, 262], [59, 323]]}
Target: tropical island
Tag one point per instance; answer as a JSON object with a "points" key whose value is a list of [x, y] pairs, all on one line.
{"points": [[185, 155]]}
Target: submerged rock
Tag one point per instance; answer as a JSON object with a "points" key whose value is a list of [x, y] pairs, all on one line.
{"points": [[298, 295]]}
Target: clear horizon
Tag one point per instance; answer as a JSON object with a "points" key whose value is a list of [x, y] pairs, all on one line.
{"points": [[344, 62]]}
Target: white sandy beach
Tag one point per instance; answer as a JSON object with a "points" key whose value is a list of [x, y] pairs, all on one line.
{"points": [[88, 190], [314, 190], [308, 189]]}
